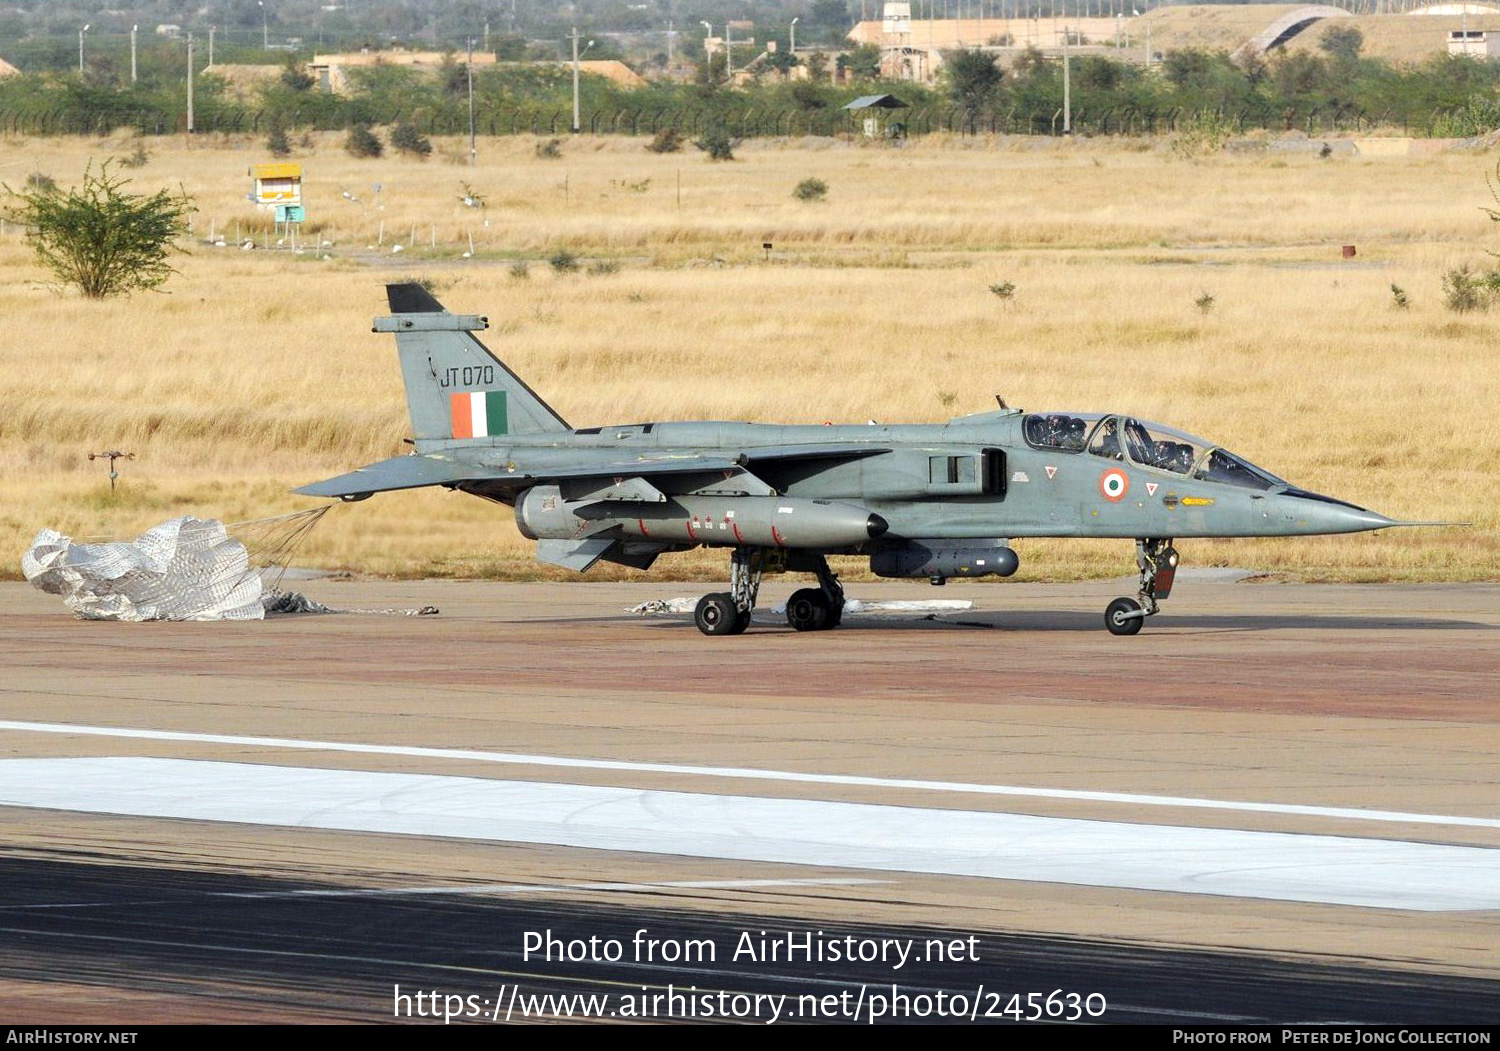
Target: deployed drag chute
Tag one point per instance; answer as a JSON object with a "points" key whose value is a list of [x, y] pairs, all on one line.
{"points": [[185, 569]]}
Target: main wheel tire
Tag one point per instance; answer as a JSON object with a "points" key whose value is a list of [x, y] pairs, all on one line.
{"points": [[807, 610], [716, 614], [835, 616], [1116, 621], [741, 622]]}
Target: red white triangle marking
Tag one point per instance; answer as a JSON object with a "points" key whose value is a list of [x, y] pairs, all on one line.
{"points": [[1051, 471], [1151, 488]]}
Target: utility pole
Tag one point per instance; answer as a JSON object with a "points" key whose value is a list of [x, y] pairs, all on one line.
{"points": [[473, 150], [575, 80], [211, 31], [1067, 84], [82, 31], [793, 30], [190, 85], [265, 26], [728, 56], [132, 53]]}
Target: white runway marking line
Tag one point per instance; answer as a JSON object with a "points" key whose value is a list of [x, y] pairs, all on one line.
{"points": [[488, 889], [1281, 866], [751, 774]]}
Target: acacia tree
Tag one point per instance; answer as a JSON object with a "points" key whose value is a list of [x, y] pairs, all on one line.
{"points": [[972, 78], [98, 237]]}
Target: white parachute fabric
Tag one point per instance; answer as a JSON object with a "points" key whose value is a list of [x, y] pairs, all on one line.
{"points": [[185, 569]]}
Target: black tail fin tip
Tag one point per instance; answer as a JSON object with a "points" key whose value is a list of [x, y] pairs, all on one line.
{"points": [[411, 298]]}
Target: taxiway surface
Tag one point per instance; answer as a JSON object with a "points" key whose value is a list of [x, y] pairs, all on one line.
{"points": [[1249, 781]]}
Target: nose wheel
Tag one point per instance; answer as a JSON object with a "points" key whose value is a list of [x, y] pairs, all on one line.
{"points": [[1157, 560], [1124, 616]]}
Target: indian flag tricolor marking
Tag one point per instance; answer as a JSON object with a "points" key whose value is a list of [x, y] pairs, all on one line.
{"points": [[478, 413]]}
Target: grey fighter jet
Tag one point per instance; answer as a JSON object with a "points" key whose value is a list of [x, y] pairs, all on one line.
{"points": [[920, 500]]}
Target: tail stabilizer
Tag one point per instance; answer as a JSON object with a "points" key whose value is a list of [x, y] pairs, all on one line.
{"points": [[455, 386]]}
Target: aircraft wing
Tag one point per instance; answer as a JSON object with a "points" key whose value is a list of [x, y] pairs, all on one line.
{"points": [[642, 468], [414, 472], [849, 451]]}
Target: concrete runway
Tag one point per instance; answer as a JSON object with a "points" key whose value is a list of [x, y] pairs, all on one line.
{"points": [[1332, 714]]}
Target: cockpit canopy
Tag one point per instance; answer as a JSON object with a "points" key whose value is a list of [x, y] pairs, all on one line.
{"points": [[1146, 445]]}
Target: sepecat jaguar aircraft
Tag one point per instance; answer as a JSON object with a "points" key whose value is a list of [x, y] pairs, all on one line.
{"points": [[919, 500]]}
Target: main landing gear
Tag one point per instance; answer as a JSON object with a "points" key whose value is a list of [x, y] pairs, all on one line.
{"points": [[809, 609], [1157, 560]]}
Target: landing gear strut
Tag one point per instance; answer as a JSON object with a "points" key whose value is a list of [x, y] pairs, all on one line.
{"points": [[1157, 560], [819, 608], [810, 609], [728, 612]]}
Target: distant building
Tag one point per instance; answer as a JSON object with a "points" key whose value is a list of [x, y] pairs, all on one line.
{"points": [[876, 114], [1475, 43], [912, 49], [8, 70], [1456, 9], [331, 71]]}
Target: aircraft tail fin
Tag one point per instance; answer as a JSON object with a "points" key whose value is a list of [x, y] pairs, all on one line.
{"points": [[455, 386]]}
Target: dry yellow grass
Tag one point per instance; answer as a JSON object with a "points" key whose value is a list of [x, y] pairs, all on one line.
{"points": [[258, 371]]}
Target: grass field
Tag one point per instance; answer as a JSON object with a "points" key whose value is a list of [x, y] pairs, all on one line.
{"points": [[257, 371]]}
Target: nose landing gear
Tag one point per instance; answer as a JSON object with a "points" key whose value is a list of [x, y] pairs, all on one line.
{"points": [[1157, 559]]}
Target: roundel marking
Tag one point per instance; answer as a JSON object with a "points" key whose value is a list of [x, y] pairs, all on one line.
{"points": [[1113, 485]]}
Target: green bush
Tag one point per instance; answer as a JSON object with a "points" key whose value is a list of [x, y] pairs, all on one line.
{"points": [[101, 239], [666, 140], [276, 139], [563, 262], [362, 142], [811, 190], [409, 141], [550, 150], [138, 158], [717, 143], [1464, 291]]}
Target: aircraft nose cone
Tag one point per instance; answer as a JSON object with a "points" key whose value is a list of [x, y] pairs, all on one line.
{"points": [[877, 526], [1319, 514]]}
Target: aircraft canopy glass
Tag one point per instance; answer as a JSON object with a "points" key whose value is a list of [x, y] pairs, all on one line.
{"points": [[1145, 444]]}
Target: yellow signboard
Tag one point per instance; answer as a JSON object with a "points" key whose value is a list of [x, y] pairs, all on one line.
{"points": [[277, 183]]}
